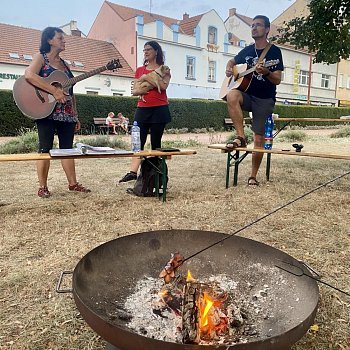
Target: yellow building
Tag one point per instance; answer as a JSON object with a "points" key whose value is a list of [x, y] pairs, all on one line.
{"points": [[298, 9]]}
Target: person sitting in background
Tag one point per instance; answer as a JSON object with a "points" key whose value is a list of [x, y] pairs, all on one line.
{"points": [[123, 122], [110, 122]]}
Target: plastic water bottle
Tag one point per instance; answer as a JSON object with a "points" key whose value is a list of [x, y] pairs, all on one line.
{"points": [[268, 132], [135, 138]]}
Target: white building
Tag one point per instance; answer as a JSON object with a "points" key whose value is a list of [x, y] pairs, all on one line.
{"points": [[19, 45], [198, 48]]}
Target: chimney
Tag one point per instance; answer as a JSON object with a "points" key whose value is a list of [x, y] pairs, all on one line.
{"points": [[76, 32], [232, 12], [185, 16]]}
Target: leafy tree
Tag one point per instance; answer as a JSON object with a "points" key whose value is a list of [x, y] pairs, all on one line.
{"points": [[325, 31]]}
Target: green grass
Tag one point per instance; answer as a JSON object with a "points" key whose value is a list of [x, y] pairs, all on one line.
{"points": [[292, 136], [106, 141], [343, 132], [180, 143], [247, 132], [26, 142]]}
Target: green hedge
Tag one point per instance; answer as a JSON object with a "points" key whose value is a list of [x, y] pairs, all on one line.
{"points": [[190, 114]]}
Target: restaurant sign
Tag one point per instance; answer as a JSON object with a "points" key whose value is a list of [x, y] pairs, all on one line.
{"points": [[9, 76]]}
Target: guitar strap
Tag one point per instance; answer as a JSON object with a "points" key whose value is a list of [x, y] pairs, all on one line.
{"points": [[263, 54]]}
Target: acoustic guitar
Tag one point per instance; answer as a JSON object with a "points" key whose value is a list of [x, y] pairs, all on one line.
{"points": [[241, 78], [36, 103]]}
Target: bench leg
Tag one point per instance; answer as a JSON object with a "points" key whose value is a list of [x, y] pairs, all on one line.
{"points": [[235, 174], [164, 179], [268, 166], [228, 164]]}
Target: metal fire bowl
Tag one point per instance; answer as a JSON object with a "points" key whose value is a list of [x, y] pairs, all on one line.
{"points": [[105, 276]]}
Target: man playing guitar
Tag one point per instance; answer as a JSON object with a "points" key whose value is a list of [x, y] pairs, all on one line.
{"points": [[260, 97]]}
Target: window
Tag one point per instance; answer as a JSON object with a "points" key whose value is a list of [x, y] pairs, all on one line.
{"points": [[117, 94], [78, 64], [92, 92], [14, 55], [211, 71], [27, 57], [348, 83], [212, 35], [325, 79], [340, 80], [303, 77], [190, 64]]}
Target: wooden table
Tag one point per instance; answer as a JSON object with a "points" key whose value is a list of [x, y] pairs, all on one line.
{"points": [[143, 154]]}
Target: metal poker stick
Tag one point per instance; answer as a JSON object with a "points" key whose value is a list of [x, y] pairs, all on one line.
{"points": [[269, 214]]}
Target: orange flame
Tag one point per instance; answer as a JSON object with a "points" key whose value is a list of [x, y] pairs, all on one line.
{"points": [[207, 304], [189, 277]]}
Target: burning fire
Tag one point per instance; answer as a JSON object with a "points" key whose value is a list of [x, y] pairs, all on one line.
{"points": [[207, 304], [189, 277], [212, 321]]}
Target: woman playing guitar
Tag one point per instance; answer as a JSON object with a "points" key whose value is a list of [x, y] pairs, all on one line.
{"points": [[64, 118]]}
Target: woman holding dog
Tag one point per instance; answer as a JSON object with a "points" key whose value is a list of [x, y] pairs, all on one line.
{"points": [[152, 113]]}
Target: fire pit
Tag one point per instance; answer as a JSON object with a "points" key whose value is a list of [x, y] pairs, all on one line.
{"points": [[106, 277]]}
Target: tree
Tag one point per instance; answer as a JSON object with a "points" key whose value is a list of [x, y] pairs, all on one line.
{"points": [[325, 31]]}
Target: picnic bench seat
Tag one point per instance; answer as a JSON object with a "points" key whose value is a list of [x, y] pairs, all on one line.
{"points": [[234, 158]]}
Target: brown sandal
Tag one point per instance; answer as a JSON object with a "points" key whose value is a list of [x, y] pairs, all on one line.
{"points": [[252, 181], [238, 141]]}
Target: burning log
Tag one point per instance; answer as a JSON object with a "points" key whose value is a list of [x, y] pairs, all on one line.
{"points": [[190, 313], [168, 273]]}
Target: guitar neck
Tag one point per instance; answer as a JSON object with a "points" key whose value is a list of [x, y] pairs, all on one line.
{"points": [[72, 81], [246, 72]]}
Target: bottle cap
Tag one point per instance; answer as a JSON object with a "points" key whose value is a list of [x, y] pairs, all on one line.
{"points": [[134, 123]]}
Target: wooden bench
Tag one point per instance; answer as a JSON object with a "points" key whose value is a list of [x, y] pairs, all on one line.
{"points": [[228, 124], [143, 154], [234, 158], [101, 124]]}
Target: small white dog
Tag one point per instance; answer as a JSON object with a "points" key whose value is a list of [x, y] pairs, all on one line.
{"points": [[147, 82]]}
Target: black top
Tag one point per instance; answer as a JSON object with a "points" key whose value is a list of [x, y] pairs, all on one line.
{"points": [[260, 86]]}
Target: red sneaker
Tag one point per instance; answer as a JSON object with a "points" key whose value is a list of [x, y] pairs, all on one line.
{"points": [[43, 192], [78, 188]]}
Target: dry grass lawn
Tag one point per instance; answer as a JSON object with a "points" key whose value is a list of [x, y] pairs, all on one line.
{"points": [[42, 237]]}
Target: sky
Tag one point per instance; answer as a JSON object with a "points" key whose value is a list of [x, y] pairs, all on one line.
{"points": [[39, 14]]}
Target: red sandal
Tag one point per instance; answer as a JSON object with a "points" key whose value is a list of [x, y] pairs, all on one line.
{"points": [[78, 188], [43, 192]]}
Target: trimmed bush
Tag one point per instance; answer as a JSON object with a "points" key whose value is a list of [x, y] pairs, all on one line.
{"points": [[190, 114]]}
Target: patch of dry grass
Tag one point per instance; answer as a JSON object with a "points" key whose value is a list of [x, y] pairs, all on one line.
{"points": [[41, 238]]}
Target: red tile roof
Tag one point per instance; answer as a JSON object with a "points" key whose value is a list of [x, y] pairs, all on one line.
{"points": [[91, 53], [187, 26], [127, 13]]}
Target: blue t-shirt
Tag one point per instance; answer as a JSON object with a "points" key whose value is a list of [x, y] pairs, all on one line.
{"points": [[260, 86]]}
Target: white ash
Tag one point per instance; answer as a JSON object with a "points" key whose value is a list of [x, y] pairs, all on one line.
{"points": [[254, 300]]}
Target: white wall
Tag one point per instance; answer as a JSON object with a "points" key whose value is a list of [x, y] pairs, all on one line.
{"points": [[98, 83]]}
